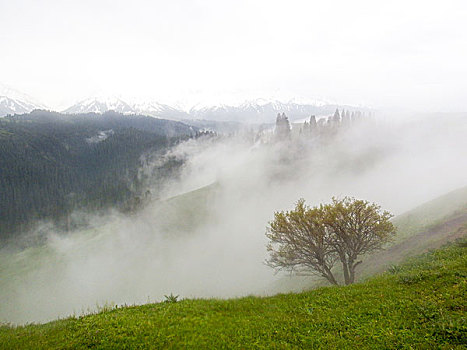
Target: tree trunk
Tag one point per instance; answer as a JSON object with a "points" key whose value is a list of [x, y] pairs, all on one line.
{"points": [[345, 268], [352, 271], [330, 277], [351, 275]]}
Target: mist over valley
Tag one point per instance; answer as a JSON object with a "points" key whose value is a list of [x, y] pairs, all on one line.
{"points": [[233, 175], [203, 201]]}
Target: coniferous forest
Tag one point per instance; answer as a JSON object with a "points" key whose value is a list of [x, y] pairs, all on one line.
{"points": [[52, 164]]}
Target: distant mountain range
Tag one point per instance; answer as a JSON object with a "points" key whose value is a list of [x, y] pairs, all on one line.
{"points": [[265, 111], [15, 102], [254, 111], [101, 105]]}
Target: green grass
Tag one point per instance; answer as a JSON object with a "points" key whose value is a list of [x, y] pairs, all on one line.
{"points": [[426, 227], [431, 213], [194, 207], [418, 305]]}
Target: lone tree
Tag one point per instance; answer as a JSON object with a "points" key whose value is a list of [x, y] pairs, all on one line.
{"points": [[311, 240]]}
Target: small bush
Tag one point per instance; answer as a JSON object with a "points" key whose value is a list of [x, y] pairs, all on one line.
{"points": [[170, 298], [394, 269]]}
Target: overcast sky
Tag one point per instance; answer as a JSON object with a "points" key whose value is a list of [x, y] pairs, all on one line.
{"points": [[409, 54]]}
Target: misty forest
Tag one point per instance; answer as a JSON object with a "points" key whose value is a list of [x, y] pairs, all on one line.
{"points": [[204, 197]]}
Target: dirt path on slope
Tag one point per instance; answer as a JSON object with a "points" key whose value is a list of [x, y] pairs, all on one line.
{"points": [[432, 238]]}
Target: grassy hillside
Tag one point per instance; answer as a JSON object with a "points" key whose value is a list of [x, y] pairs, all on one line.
{"points": [[431, 213], [420, 304], [426, 227], [193, 207], [24, 274]]}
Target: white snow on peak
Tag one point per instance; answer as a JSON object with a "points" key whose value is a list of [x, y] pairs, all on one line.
{"points": [[101, 104], [233, 107], [151, 106], [18, 96], [15, 102], [261, 103]]}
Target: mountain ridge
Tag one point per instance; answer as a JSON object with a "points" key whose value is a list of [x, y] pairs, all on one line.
{"points": [[259, 110], [15, 102], [250, 111]]}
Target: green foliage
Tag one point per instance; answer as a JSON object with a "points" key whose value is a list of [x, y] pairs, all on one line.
{"points": [[394, 269], [170, 298], [382, 313], [52, 164], [300, 242], [314, 239]]}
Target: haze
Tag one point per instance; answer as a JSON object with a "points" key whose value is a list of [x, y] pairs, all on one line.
{"points": [[394, 54], [211, 243], [396, 58]]}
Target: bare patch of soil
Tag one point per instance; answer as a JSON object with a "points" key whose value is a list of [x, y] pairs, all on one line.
{"points": [[432, 238]]}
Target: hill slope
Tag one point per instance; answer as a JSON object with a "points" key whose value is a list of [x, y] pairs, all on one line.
{"points": [[426, 227], [418, 305], [51, 164]]}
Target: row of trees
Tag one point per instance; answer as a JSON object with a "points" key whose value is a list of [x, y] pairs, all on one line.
{"points": [[318, 127], [312, 240]]}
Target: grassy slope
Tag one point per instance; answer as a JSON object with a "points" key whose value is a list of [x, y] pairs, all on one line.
{"points": [[420, 305], [426, 227], [415, 226], [192, 206], [431, 213]]}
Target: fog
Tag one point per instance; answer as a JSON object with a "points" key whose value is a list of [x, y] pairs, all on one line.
{"points": [[407, 54], [211, 242]]}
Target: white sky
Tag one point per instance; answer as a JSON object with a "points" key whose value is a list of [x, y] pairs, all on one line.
{"points": [[396, 54]]}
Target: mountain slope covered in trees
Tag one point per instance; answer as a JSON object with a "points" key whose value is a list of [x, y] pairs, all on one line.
{"points": [[51, 164]]}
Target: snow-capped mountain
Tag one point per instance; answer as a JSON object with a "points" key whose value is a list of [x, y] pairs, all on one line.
{"points": [[256, 111], [15, 102], [265, 111], [12, 106], [103, 104], [252, 111], [100, 105], [159, 110]]}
